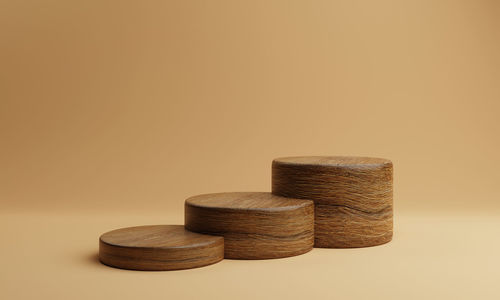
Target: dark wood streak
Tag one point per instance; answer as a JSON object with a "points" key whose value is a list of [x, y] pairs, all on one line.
{"points": [[381, 211]]}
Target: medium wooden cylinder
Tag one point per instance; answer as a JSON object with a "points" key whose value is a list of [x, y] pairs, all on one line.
{"points": [[352, 195], [254, 225]]}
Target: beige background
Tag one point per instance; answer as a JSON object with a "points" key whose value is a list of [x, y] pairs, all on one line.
{"points": [[113, 112]]}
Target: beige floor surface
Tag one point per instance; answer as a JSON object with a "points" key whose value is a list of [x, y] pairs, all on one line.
{"points": [[431, 257]]}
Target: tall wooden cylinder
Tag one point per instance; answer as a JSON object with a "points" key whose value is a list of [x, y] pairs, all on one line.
{"points": [[352, 197]]}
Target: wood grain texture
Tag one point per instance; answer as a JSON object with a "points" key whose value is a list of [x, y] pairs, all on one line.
{"points": [[158, 248], [353, 197], [254, 225]]}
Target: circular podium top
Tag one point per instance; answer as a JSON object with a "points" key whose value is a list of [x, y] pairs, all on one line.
{"points": [[245, 201], [333, 161]]}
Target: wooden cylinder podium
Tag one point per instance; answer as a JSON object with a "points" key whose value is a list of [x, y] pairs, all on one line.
{"points": [[254, 225], [159, 248], [352, 197]]}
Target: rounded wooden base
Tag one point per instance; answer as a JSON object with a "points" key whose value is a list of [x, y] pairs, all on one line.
{"points": [[352, 196], [254, 225], [158, 248]]}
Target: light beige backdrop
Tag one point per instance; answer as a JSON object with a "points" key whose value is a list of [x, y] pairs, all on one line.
{"points": [[122, 109], [132, 105]]}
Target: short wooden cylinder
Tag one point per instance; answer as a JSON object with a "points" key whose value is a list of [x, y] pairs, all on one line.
{"points": [[352, 196], [159, 248], [254, 225]]}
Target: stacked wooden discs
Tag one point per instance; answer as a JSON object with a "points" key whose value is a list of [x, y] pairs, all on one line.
{"points": [[254, 225], [330, 202], [352, 196]]}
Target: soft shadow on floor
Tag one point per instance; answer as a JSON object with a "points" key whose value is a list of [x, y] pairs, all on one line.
{"points": [[93, 258]]}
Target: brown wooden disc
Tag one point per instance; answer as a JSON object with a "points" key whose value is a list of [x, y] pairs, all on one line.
{"points": [[159, 248], [254, 225], [352, 196]]}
